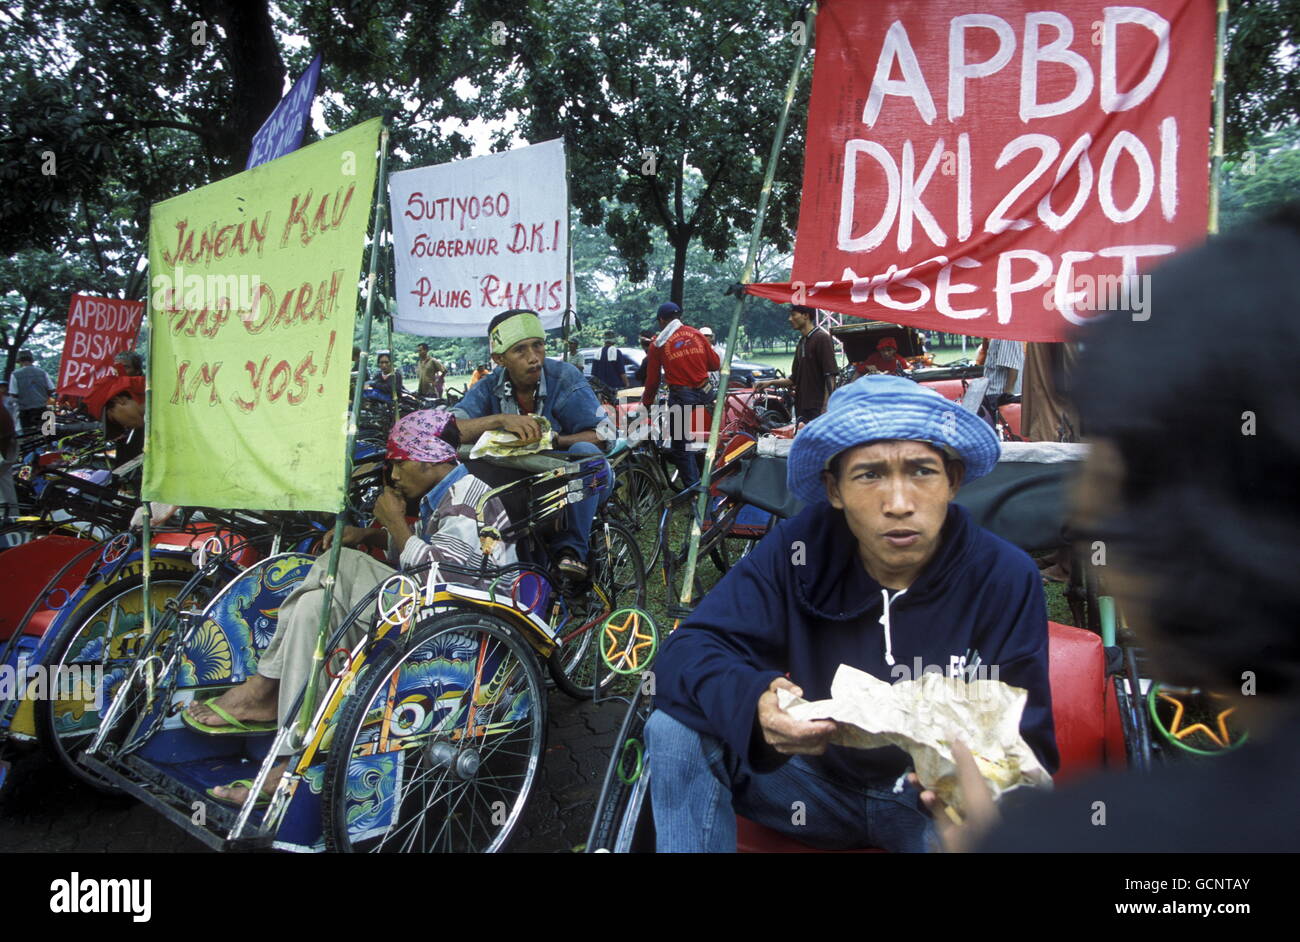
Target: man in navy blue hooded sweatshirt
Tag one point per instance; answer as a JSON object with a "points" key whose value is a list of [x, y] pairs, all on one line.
{"points": [[881, 572]]}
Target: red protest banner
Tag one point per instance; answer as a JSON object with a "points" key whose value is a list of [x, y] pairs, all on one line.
{"points": [[98, 330], [1000, 169]]}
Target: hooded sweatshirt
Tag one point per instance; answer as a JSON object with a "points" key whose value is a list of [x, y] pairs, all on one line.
{"points": [[802, 603]]}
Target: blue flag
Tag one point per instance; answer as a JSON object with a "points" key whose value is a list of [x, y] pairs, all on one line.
{"points": [[282, 132]]}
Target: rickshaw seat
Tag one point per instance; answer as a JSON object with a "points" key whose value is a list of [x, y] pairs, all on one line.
{"points": [[518, 500], [1082, 696], [29, 567], [194, 536], [39, 622], [762, 483]]}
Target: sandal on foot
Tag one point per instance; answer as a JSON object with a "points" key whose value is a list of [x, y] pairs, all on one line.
{"points": [[232, 726], [572, 567], [261, 801]]}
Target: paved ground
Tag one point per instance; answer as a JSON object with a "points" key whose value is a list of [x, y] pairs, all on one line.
{"points": [[43, 809]]}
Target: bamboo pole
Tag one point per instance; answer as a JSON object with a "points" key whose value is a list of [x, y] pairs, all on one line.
{"points": [[363, 363], [755, 235], [1216, 161]]}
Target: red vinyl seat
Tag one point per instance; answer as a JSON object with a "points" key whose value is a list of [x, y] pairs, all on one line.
{"points": [[28, 570], [1084, 712], [194, 536]]}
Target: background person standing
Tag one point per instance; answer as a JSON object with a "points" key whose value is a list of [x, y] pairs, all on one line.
{"points": [[575, 357], [30, 385], [813, 370], [611, 363], [686, 359], [429, 372], [1002, 365], [8, 458]]}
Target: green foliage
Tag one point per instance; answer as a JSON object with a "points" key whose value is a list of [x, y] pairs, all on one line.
{"points": [[668, 111], [1266, 175], [1261, 74]]}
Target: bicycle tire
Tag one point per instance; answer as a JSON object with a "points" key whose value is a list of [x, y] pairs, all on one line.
{"points": [[50, 713], [575, 666], [436, 659]]}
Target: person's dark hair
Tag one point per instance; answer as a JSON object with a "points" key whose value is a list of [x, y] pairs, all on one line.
{"points": [[1201, 400], [505, 315], [113, 431], [26, 357], [422, 346], [803, 309], [451, 434], [134, 362]]}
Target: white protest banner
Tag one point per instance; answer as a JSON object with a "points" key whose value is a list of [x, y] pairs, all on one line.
{"points": [[476, 237]]}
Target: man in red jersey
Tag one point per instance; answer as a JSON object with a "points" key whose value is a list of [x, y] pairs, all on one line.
{"points": [[686, 359]]}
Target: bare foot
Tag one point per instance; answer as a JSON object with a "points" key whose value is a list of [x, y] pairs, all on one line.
{"points": [[239, 794], [255, 699]]}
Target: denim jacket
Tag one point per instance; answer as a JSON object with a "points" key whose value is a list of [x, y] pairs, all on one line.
{"points": [[564, 398]]}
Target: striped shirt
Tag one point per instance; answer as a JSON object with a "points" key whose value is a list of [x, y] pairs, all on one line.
{"points": [[449, 533], [1003, 355]]}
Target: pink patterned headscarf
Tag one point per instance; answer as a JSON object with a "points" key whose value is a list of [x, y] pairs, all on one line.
{"points": [[418, 437]]}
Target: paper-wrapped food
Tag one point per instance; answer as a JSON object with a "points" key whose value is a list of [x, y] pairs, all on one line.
{"points": [[919, 716], [498, 443]]}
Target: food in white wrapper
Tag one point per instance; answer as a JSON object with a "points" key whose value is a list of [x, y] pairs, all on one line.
{"points": [[919, 716], [498, 443]]}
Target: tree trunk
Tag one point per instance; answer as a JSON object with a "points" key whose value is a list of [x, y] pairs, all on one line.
{"points": [[257, 72], [681, 237], [679, 267]]}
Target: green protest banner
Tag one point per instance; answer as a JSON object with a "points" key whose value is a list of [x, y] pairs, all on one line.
{"points": [[252, 304]]}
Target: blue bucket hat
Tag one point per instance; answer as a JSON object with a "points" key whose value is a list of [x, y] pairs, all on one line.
{"points": [[880, 408]]}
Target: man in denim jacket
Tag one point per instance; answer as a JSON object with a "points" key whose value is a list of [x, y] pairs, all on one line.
{"points": [[526, 384]]}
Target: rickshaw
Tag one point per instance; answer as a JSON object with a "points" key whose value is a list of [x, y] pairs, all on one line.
{"points": [[953, 381], [81, 629], [1098, 685], [426, 735], [76, 616]]}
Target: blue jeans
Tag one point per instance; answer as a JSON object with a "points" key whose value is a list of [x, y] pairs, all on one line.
{"points": [[576, 535], [685, 461], [697, 788]]}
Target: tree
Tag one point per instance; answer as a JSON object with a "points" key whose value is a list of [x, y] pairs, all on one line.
{"points": [[1261, 74], [649, 94], [1267, 175], [36, 288]]}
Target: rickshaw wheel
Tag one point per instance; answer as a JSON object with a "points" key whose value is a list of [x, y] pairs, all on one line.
{"points": [[438, 748], [617, 569], [65, 725], [639, 493]]}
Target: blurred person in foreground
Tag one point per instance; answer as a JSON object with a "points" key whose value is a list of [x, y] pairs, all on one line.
{"points": [[1193, 488]]}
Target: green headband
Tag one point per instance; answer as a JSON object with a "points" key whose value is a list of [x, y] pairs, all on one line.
{"points": [[523, 326]]}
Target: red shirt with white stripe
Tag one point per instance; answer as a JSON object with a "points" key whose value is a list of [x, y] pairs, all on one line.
{"points": [[686, 359]]}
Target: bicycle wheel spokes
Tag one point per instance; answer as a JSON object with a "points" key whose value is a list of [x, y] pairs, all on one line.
{"points": [[443, 744]]}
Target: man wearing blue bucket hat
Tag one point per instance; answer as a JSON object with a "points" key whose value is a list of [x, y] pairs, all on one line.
{"points": [[881, 572]]}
